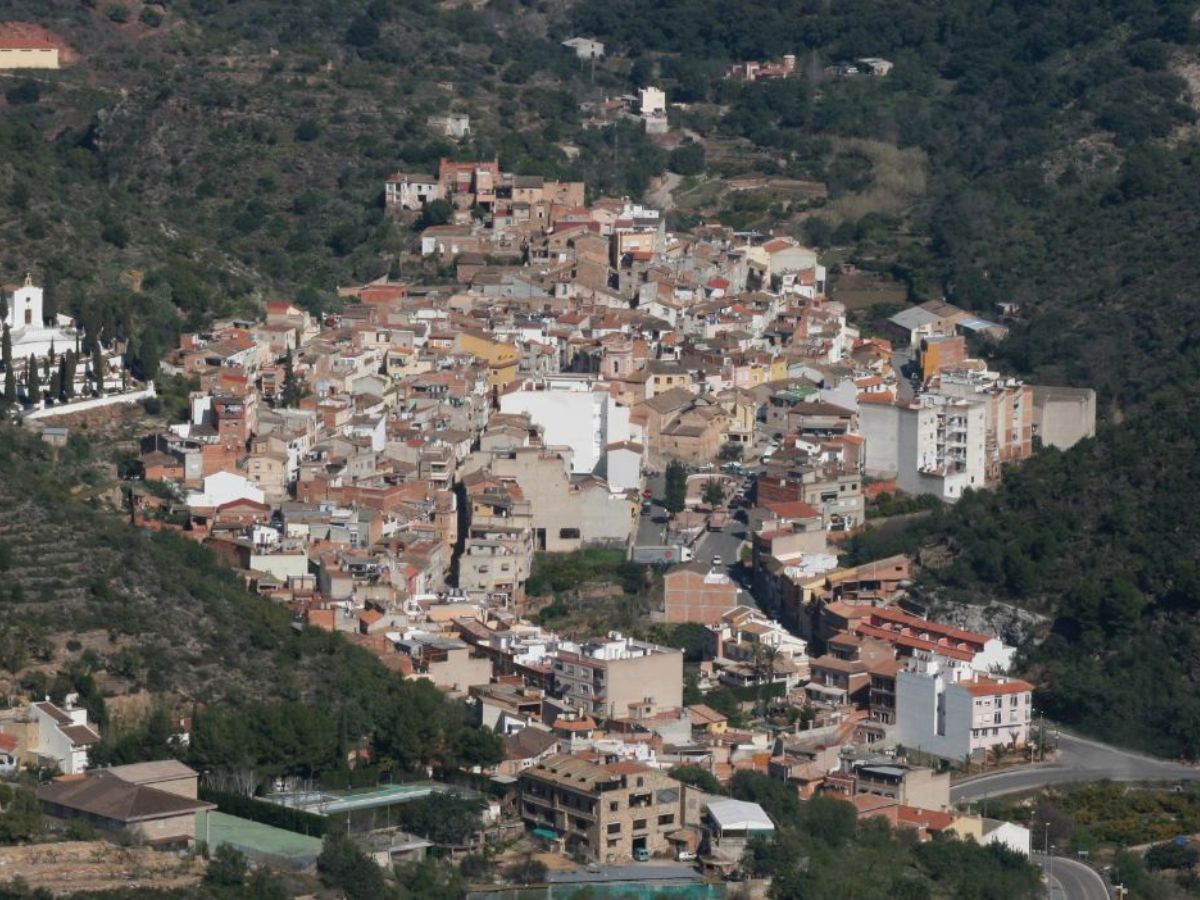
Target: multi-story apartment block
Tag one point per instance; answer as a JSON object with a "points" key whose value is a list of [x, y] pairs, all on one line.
{"points": [[602, 813], [493, 570], [937, 445], [619, 677], [1008, 414], [954, 712]]}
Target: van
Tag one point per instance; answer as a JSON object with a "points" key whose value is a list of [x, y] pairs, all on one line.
{"points": [[641, 854]]}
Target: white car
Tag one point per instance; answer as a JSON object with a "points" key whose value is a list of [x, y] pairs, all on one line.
{"points": [[685, 856]]}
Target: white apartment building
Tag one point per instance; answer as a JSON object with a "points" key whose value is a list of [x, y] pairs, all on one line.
{"points": [[937, 445], [576, 412], [946, 708]]}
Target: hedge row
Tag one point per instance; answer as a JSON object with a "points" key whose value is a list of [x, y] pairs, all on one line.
{"points": [[267, 813]]}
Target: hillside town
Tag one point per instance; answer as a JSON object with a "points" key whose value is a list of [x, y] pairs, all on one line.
{"points": [[586, 380]]}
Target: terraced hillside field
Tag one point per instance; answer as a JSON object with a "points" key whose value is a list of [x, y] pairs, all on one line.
{"points": [[157, 610]]}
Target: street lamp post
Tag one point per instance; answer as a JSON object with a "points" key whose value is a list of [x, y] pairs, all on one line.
{"points": [[1046, 854], [1051, 872]]}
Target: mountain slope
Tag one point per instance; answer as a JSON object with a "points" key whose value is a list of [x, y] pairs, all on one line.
{"points": [[1063, 176], [90, 603]]}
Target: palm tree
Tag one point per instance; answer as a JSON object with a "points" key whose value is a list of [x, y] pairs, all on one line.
{"points": [[766, 658]]}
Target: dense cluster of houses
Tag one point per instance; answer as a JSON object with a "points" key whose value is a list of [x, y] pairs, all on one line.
{"points": [[389, 470]]}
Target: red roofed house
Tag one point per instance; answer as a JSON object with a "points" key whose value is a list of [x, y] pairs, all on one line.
{"points": [[26, 46], [910, 634], [8, 753]]}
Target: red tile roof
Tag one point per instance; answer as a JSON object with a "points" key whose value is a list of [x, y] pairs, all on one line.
{"points": [[990, 687], [794, 509]]}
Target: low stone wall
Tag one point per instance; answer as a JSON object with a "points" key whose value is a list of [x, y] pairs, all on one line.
{"points": [[68, 409]]}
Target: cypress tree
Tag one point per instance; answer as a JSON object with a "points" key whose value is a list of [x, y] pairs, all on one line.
{"points": [[33, 385], [10, 379], [98, 367]]}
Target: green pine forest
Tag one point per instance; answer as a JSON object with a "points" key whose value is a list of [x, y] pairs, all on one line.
{"points": [[232, 152]]}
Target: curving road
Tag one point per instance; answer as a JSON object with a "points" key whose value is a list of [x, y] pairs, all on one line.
{"points": [[1079, 759], [1072, 880]]}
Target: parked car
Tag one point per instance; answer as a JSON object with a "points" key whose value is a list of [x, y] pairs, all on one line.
{"points": [[685, 856], [641, 854]]}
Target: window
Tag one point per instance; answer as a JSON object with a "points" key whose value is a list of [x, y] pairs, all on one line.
{"points": [[639, 824], [668, 819], [614, 828], [614, 806], [1013, 700], [998, 718], [641, 781], [568, 533]]}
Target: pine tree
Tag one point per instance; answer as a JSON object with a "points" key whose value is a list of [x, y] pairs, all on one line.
{"points": [[6, 348], [59, 391]]}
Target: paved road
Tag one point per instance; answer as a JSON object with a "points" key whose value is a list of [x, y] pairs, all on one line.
{"points": [[1079, 759], [651, 530], [1070, 879]]}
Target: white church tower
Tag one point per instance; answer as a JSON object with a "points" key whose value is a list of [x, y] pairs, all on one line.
{"points": [[24, 305]]}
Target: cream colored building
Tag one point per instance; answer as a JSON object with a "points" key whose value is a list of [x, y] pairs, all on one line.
{"points": [[619, 677], [27, 53]]}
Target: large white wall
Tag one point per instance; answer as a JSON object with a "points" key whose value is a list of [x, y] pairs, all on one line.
{"points": [[880, 427], [584, 420], [919, 724]]}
